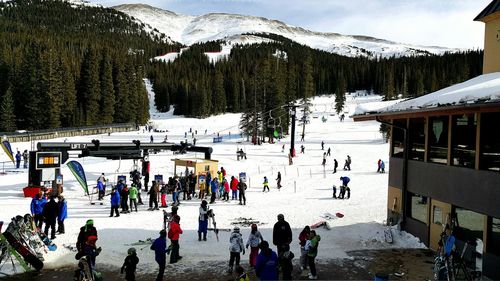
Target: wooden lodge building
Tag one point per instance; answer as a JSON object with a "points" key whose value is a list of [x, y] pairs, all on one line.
{"points": [[445, 156]]}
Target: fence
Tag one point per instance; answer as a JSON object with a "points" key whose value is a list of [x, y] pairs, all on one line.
{"points": [[66, 132]]}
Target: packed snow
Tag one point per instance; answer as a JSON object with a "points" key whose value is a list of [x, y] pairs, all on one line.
{"points": [[306, 193], [188, 30], [479, 90]]}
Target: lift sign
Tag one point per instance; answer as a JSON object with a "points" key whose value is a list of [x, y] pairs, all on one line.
{"points": [[46, 160]]}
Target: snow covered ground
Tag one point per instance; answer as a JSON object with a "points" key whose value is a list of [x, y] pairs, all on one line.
{"points": [[306, 192]]}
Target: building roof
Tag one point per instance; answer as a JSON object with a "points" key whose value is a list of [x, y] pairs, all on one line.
{"points": [[492, 8], [481, 90]]}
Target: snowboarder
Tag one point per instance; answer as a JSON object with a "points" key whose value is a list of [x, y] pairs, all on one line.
{"points": [[50, 212], [18, 159], [303, 236], [25, 159], [282, 234], [130, 264], [285, 262], [133, 197], [62, 214], [335, 165], [160, 248], [266, 267], [328, 152], [242, 186], [266, 184], [278, 180], [312, 251], [322, 145], [36, 206], [85, 232], [115, 202], [253, 241], [235, 248], [234, 188], [203, 220], [173, 234], [302, 149]]}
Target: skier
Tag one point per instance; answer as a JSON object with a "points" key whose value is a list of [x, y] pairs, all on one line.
{"points": [[234, 188], [322, 145], [133, 197], [130, 264], [278, 180], [335, 165], [62, 214], [25, 159], [285, 262], [242, 186], [312, 251], [85, 232], [302, 149], [50, 212], [173, 234], [160, 248], [328, 152], [18, 159], [266, 267], [101, 186], [253, 241], [214, 185], [343, 188], [266, 184], [235, 248], [36, 206], [115, 202], [303, 236], [282, 234], [324, 159], [203, 220]]}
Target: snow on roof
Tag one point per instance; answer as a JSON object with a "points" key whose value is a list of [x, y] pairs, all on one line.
{"points": [[369, 107], [481, 89]]}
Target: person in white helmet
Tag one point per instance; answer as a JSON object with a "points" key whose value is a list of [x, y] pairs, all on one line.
{"points": [[235, 248]]}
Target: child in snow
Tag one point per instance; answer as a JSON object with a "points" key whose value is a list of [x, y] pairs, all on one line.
{"points": [[253, 241], [285, 262], [242, 275], [235, 248], [266, 184], [130, 264]]}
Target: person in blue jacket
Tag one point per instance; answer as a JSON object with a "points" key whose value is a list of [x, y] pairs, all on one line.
{"points": [[115, 202], [18, 159], [343, 188], [160, 248], [63, 213], [266, 267], [214, 186], [37, 204]]}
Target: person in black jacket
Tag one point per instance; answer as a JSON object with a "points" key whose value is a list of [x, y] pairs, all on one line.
{"points": [[50, 212], [130, 264], [282, 234]]}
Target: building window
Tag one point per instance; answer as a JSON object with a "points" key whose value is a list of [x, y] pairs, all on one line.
{"points": [[490, 142], [437, 215], [494, 236], [438, 139], [417, 139], [207, 168], [419, 207], [398, 137], [469, 224], [463, 150]]}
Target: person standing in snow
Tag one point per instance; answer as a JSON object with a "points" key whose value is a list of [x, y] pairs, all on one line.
{"points": [[322, 145], [278, 180], [345, 181], [302, 149], [25, 159], [214, 186], [132, 193], [173, 234], [335, 165], [91, 251], [203, 220], [347, 165], [62, 214], [253, 241], [312, 251], [163, 192], [115, 202], [282, 234], [153, 196], [234, 188], [266, 267], [130, 264], [382, 167], [266, 184], [36, 206], [18, 159], [50, 213], [235, 248], [124, 199], [328, 152], [303, 237], [151, 139], [378, 165], [285, 262], [242, 186], [85, 232], [160, 248], [226, 190], [324, 159]]}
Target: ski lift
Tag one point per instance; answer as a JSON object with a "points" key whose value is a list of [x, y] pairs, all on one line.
{"points": [[271, 123], [278, 134]]}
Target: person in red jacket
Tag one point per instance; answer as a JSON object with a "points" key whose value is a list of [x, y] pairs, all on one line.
{"points": [[173, 234], [234, 188], [303, 237], [226, 190]]}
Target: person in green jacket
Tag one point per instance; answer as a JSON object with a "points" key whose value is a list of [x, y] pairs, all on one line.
{"points": [[132, 194], [312, 251]]}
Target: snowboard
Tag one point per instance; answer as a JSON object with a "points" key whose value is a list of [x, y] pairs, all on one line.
{"points": [[24, 251], [70, 247], [148, 241], [320, 224], [45, 239], [220, 229]]}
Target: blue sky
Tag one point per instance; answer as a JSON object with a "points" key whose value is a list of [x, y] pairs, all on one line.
{"points": [[446, 23]]}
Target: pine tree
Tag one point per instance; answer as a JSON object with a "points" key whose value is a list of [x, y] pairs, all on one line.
{"points": [[219, 96], [89, 90], [68, 116], [107, 102], [7, 116], [340, 93]]}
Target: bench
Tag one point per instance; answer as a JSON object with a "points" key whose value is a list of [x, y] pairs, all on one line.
{"points": [[240, 155]]}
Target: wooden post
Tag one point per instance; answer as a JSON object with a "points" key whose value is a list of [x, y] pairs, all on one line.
{"points": [[478, 141], [426, 143], [450, 124]]}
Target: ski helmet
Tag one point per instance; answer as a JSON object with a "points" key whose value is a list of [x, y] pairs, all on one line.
{"points": [[131, 251], [236, 229]]}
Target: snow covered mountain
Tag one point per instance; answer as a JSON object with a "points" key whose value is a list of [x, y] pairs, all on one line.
{"points": [[188, 30]]}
